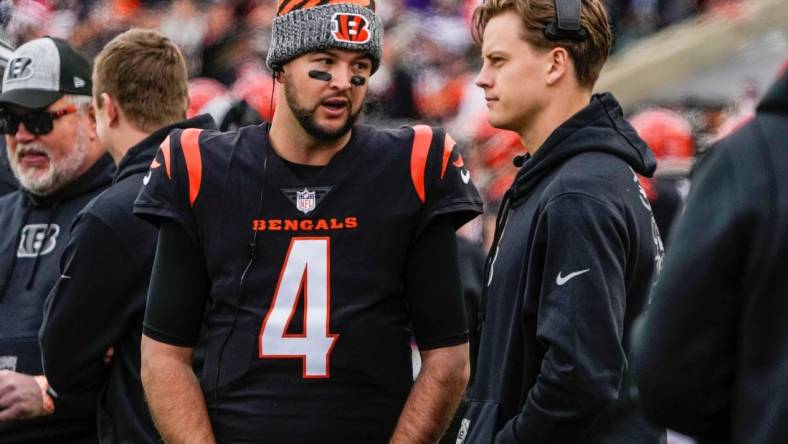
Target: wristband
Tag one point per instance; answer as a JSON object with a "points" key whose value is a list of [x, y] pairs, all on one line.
{"points": [[47, 403]]}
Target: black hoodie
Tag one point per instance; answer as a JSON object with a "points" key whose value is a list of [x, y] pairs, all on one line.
{"points": [[34, 233], [99, 302], [575, 249], [711, 359]]}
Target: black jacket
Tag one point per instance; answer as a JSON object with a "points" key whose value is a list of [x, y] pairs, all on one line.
{"points": [[99, 302], [576, 246], [34, 234], [8, 182], [712, 357]]}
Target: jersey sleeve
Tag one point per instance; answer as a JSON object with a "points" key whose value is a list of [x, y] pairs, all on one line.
{"points": [[441, 179], [172, 185]]}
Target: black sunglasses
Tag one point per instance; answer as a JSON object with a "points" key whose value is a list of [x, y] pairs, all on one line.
{"points": [[36, 122]]}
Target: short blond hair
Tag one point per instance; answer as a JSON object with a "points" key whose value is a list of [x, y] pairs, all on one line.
{"points": [[146, 75], [589, 56]]}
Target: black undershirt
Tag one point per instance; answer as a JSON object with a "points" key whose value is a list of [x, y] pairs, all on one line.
{"points": [[303, 172], [180, 285]]}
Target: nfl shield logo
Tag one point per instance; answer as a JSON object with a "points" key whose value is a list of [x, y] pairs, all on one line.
{"points": [[305, 201]]}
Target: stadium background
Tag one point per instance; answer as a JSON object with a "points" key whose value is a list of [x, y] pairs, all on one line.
{"points": [[707, 60]]}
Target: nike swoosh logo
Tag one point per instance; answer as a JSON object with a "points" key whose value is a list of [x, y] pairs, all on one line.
{"points": [[146, 179], [561, 280], [465, 175]]}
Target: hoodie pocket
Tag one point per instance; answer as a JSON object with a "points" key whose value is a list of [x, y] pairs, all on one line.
{"points": [[479, 424]]}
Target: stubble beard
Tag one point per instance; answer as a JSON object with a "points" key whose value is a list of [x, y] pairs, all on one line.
{"points": [[306, 118]]}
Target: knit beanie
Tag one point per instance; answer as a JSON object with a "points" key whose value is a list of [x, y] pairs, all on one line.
{"points": [[302, 26]]}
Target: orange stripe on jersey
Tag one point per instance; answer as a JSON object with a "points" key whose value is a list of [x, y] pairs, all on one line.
{"points": [[418, 157], [165, 152], [190, 145], [448, 146]]}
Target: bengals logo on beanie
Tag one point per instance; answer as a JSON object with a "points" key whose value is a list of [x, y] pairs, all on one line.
{"points": [[351, 28], [302, 26]]}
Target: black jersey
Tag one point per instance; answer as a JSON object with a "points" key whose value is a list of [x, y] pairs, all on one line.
{"points": [[309, 343]]}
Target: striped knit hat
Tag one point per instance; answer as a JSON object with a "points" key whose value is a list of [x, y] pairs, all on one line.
{"points": [[302, 26]]}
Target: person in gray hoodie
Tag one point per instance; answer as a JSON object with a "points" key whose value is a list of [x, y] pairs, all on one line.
{"points": [[575, 244], [61, 165]]}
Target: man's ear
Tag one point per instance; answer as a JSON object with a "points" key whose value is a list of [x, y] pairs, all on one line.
{"points": [[279, 75], [113, 112], [558, 62]]}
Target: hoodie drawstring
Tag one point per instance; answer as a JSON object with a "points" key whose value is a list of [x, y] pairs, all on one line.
{"points": [[33, 272], [500, 223], [15, 250]]}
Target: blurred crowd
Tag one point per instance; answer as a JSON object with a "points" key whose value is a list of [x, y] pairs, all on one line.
{"points": [[427, 71]]}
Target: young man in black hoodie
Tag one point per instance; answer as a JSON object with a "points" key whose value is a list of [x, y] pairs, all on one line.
{"points": [[575, 243], [55, 154], [140, 95], [711, 360]]}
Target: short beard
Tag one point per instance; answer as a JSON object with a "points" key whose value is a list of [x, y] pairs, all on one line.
{"points": [[59, 173], [306, 119]]}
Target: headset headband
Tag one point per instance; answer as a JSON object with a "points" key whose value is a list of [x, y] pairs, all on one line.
{"points": [[567, 22]]}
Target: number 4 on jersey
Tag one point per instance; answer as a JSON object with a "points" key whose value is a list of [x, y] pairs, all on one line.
{"points": [[306, 271]]}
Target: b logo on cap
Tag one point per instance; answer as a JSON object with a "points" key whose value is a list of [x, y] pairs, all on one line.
{"points": [[20, 68], [350, 28]]}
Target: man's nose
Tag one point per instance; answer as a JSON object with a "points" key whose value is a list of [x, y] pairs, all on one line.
{"points": [[340, 77], [22, 134]]}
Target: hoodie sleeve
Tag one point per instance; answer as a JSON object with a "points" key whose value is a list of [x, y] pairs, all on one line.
{"points": [[85, 315], [579, 321]]}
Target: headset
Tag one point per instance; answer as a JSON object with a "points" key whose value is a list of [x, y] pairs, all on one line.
{"points": [[566, 25]]}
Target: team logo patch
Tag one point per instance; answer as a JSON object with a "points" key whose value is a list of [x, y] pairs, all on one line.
{"points": [[464, 424], [37, 240], [8, 363], [306, 199], [350, 28], [20, 68]]}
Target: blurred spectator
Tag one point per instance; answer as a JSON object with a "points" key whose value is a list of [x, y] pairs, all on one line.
{"points": [[255, 86], [391, 89], [670, 137], [202, 90]]}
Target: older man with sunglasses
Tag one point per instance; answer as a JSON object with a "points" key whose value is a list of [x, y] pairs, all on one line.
{"points": [[55, 155]]}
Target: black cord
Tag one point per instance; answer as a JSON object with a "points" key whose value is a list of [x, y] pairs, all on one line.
{"points": [[252, 256]]}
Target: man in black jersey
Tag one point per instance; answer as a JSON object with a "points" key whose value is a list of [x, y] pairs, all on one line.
{"points": [[308, 252]]}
